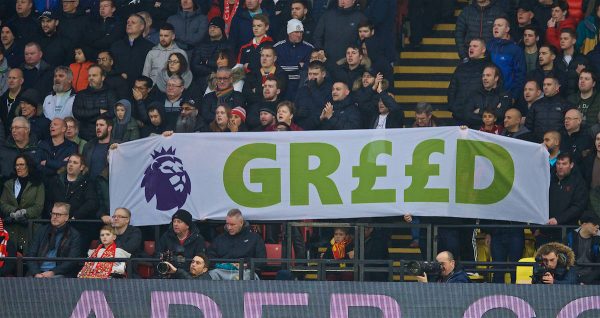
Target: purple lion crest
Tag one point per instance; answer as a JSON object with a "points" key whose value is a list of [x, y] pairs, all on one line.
{"points": [[166, 179]]}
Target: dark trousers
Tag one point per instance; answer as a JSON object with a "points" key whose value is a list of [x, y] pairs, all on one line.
{"points": [[507, 246], [423, 14]]}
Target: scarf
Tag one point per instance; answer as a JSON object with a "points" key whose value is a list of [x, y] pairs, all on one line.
{"points": [[223, 93], [339, 249], [4, 235], [99, 269], [228, 13]]}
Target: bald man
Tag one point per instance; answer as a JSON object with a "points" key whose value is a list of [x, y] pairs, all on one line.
{"points": [[573, 139], [513, 127], [449, 273]]}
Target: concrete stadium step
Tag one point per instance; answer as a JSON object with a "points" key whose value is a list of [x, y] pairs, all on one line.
{"points": [[429, 62], [421, 84], [435, 41], [425, 69], [444, 27], [430, 55], [421, 98]]}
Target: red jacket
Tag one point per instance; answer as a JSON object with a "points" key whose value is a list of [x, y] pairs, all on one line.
{"points": [[553, 34], [80, 75]]}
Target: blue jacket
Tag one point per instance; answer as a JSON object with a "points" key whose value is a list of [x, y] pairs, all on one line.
{"points": [[457, 276], [289, 57], [310, 100], [510, 58]]}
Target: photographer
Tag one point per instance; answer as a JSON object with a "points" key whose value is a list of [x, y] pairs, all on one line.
{"points": [[198, 269], [448, 272], [556, 265], [181, 241]]}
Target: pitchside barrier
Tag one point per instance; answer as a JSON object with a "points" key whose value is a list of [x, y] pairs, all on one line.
{"points": [[79, 298]]}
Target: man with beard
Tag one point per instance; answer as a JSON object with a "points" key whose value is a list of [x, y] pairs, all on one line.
{"points": [[270, 99], [113, 80], [158, 56], [59, 104], [548, 113], [95, 150], [266, 117], [189, 120], [56, 151], [342, 112], [92, 102], [55, 47]]}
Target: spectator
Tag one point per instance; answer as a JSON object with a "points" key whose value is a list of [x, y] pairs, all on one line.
{"points": [[509, 57], [190, 26], [73, 133], [56, 150], [237, 122], [299, 11], [250, 53], [568, 198], [198, 269], [374, 49], [226, 9], [317, 54], [466, 80], [340, 247], [547, 66], [352, 67], [125, 127], [586, 99], [242, 24], [224, 94], [7, 249], [129, 237], [182, 238], [55, 46], [542, 9], [106, 249], [547, 113], [559, 21], [189, 120], [113, 80], [176, 64], [20, 142], [573, 139], [532, 92], [150, 32], [530, 46], [161, 10], [382, 15], [236, 242], [526, 20], [489, 96], [13, 48], [96, 150], [144, 94], [489, 120], [221, 119], [3, 71], [312, 95], [206, 54], [37, 73], [80, 69], [270, 99], [292, 54], [256, 79], [285, 114], [513, 127], [172, 101], [552, 143], [337, 29], [588, 31], [130, 52], [571, 63], [22, 199], [59, 104], [389, 115], [25, 22], [74, 22], [157, 125], [559, 260], [267, 118], [449, 273], [342, 112], [588, 165], [225, 59], [157, 59], [105, 29], [10, 100], [475, 21], [585, 243], [57, 239], [92, 102], [424, 116], [30, 109], [376, 248]]}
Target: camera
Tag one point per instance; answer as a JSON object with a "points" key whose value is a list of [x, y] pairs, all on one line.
{"points": [[420, 267], [539, 270], [176, 258]]}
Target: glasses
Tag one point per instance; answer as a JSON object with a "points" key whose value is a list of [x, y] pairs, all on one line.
{"points": [[570, 118], [56, 215], [222, 79], [17, 127], [173, 85], [187, 109], [103, 59], [173, 62], [119, 217]]}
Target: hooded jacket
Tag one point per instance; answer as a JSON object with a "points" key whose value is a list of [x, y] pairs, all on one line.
{"points": [[568, 274], [150, 129], [126, 129], [510, 58], [156, 60]]}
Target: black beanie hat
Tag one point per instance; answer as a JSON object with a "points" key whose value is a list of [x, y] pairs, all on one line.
{"points": [[184, 216]]}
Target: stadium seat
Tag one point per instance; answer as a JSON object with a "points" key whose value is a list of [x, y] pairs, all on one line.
{"points": [[149, 247], [94, 244], [146, 270], [524, 273]]}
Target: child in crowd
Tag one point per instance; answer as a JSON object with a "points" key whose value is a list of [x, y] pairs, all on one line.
{"points": [[80, 70], [489, 122], [106, 249], [125, 127]]}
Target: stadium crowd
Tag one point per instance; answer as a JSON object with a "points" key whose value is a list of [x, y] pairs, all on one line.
{"points": [[79, 77]]}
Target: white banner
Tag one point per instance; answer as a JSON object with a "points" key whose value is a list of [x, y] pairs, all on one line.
{"points": [[441, 171]]}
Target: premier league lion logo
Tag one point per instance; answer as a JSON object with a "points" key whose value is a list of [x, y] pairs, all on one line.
{"points": [[166, 179]]}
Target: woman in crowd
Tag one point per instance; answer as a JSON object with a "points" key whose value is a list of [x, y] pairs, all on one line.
{"points": [[176, 64], [22, 199], [285, 114], [225, 59], [222, 119], [106, 249]]}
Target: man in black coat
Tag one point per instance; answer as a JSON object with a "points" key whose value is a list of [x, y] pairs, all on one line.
{"points": [[130, 52], [93, 101], [224, 94], [37, 74], [312, 95], [13, 47], [57, 239], [25, 23], [466, 80], [57, 49], [181, 239], [106, 29], [129, 237], [489, 96], [547, 113], [342, 112], [74, 23], [204, 56], [113, 80]]}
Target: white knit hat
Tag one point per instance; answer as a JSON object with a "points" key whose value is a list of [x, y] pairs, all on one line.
{"points": [[294, 25]]}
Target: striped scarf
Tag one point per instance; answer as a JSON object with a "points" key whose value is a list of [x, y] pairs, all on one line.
{"points": [[4, 235], [99, 269]]}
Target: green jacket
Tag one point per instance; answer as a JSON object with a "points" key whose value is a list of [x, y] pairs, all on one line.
{"points": [[32, 200]]}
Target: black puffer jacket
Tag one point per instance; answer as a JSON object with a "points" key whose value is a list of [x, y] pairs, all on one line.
{"points": [[465, 81], [73, 26], [129, 59], [80, 194], [86, 108], [310, 100], [548, 113], [245, 244], [57, 50], [570, 71], [192, 245], [204, 56], [475, 22], [497, 98], [568, 198], [345, 116]]}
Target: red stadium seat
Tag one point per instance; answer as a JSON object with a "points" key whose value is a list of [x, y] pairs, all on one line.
{"points": [[146, 270]]}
